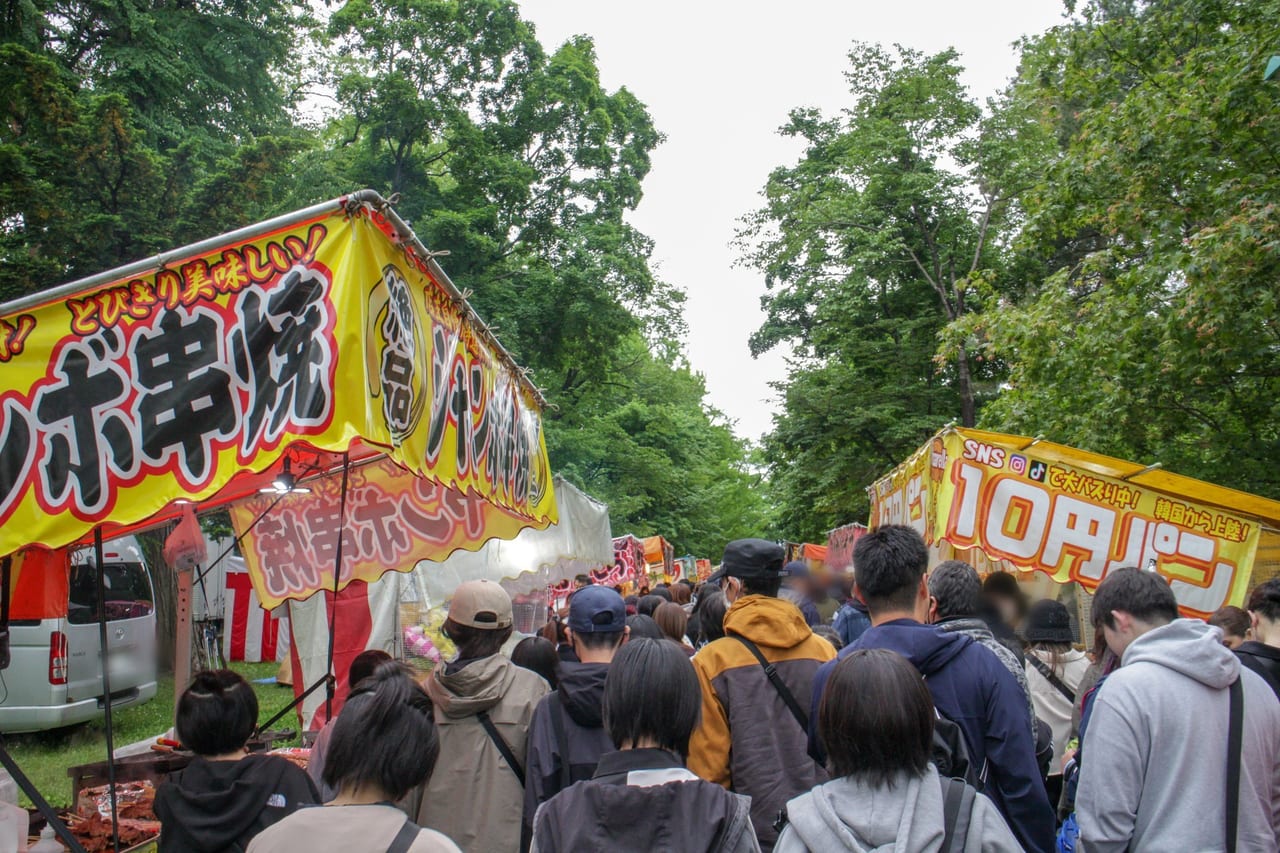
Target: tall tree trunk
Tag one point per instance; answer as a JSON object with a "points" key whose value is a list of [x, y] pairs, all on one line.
{"points": [[968, 409]]}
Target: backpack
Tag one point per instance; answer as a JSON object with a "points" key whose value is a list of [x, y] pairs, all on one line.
{"points": [[951, 754]]}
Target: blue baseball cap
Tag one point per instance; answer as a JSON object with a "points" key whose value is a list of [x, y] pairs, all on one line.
{"points": [[597, 610], [796, 569]]}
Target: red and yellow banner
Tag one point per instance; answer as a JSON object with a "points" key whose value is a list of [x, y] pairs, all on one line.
{"points": [[979, 490], [393, 520], [165, 385]]}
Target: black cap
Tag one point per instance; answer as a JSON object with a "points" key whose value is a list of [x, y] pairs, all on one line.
{"points": [[750, 558], [1049, 622]]}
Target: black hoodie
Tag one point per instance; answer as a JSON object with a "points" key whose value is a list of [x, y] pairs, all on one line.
{"points": [[669, 809], [216, 806], [578, 703], [1262, 659]]}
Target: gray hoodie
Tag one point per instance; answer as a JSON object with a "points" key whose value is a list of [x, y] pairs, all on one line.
{"points": [[1154, 772], [846, 814]]}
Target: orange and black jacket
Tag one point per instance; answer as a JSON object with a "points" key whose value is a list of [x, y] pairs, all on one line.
{"points": [[749, 741]]}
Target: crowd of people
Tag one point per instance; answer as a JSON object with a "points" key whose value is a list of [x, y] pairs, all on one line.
{"points": [[902, 709]]}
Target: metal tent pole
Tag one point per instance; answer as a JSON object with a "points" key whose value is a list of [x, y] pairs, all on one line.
{"points": [[106, 685], [337, 575]]}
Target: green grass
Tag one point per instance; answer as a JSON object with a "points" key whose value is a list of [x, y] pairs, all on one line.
{"points": [[45, 756]]}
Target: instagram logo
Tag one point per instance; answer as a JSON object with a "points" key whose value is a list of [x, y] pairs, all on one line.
{"points": [[1018, 464]]}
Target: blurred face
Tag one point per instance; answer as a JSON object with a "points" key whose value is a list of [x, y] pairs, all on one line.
{"points": [[1008, 610], [1231, 641]]}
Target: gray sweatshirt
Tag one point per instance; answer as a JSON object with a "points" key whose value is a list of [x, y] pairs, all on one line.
{"points": [[846, 814], [1154, 771]]}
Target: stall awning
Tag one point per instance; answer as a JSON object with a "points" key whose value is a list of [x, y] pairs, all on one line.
{"points": [[1074, 515], [325, 335]]}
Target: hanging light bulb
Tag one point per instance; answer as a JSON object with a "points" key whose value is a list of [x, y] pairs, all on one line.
{"points": [[285, 483]]}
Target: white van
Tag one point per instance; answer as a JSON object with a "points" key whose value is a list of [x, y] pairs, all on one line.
{"points": [[54, 678]]}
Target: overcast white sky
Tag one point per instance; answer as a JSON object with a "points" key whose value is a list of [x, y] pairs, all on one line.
{"points": [[719, 78]]}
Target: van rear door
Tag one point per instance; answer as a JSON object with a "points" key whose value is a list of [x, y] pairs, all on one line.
{"points": [[131, 627]]}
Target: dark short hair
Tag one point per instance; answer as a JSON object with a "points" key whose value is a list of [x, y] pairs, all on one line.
{"points": [[585, 580], [651, 691], [662, 591], [762, 586], [1265, 600], [713, 606], [1232, 620], [216, 715], [538, 654], [364, 665], [1143, 595], [598, 640], [650, 603], [889, 562], [385, 735], [672, 619], [475, 643], [643, 627], [875, 717], [957, 588]]}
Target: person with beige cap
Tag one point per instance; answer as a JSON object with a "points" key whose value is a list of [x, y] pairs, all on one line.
{"points": [[483, 705]]}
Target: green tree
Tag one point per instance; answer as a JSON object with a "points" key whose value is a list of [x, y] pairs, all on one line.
{"points": [[121, 117], [139, 125], [645, 443], [1151, 333], [879, 237]]}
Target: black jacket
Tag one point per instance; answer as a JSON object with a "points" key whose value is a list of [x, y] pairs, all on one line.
{"points": [[577, 707], [616, 811], [1262, 659], [216, 806]]}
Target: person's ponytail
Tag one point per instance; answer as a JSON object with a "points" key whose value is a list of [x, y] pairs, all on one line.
{"points": [[385, 735]]}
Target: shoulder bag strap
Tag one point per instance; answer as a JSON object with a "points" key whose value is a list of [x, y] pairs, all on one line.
{"points": [[502, 745], [404, 838], [1049, 676], [771, 672], [1235, 741], [562, 741], [957, 804]]}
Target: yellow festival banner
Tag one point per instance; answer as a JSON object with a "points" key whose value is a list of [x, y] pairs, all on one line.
{"points": [[974, 490], [166, 384]]}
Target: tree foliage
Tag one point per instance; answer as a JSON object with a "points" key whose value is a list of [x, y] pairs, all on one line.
{"points": [[1111, 224], [878, 238], [1152, 334], [138, 125]]}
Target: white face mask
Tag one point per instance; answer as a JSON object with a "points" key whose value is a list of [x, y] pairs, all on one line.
{"points": [[732, 589]]}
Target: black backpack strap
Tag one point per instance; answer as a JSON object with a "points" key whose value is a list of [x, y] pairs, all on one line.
{"points": [[562, 741], [771, 672], [404, 838], [1235, 741], [957, 807], [502, 745], [1049, 676]]}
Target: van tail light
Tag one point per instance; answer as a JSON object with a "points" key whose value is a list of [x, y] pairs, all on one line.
{"points": [[57, 658]]}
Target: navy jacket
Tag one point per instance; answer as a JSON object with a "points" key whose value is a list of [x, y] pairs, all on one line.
{"points": [[972, 688], [852, 621]]}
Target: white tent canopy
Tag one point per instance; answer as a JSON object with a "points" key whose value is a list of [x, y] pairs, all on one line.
{"points": [[526, 565]]}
